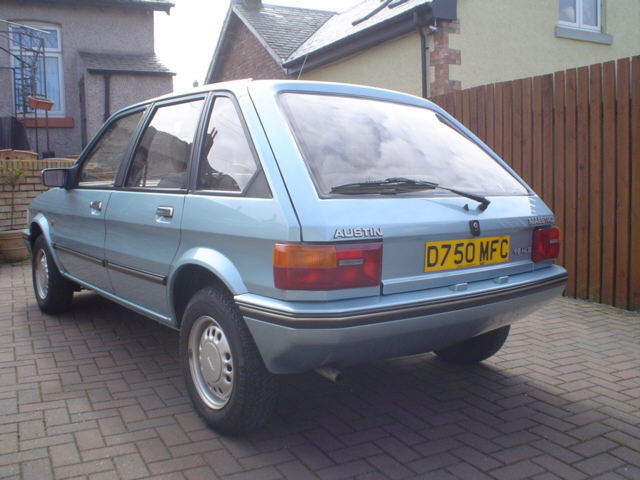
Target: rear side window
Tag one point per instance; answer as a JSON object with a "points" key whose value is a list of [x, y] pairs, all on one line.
{"points": [[228, 163], [162, 156], [350, 139], [101, 166]]}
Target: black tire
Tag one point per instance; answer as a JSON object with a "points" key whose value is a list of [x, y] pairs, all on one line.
{"points": [[53, 292], [233, 391], [475, 349]]}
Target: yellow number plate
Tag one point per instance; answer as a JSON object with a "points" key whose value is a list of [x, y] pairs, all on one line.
{"points": [[469, 252]]}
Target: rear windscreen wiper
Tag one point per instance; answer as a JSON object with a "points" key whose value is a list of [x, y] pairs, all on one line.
{"points": [[394, 185]]}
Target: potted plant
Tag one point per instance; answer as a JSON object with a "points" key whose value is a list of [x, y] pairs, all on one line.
{"points": [[12, 247]]}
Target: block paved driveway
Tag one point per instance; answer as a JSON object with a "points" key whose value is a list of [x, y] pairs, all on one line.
{"points": [[97, 394]]}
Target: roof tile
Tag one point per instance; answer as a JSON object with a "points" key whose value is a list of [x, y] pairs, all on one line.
{"points": [[340, 27], [283, 28], [123, 63]]}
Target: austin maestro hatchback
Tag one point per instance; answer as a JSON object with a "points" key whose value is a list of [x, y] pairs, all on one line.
{"points": [[286, 226]]}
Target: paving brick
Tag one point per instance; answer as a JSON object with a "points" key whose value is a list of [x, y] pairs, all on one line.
{"points": [[312, 457], [153, 450], [89, 439], [524, 469], [176, 464], [599, 464], [434, 462], [107, 452], [36, 468], [8, 443], [397, 449], [389, 467], [559, 468], [87, 468], [345, 470], [476, 458], [593, 447], [354, 453], [200, 473], [222, 462], [295, 470], [97, 394], [196, 447], [516, 454], [66, 454], [172, 435], [464, 470], [130, 466]]}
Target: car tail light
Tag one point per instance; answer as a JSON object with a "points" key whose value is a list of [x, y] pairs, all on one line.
{"points": [[326, 267], [545, 244]]}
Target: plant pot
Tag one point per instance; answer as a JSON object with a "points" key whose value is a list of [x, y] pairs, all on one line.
{"points": [[12, 247]]}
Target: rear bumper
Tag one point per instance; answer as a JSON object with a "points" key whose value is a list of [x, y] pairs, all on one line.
{"points": [[298, 336]]}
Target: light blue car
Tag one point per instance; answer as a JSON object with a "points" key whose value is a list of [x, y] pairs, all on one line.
{"points": [[285, 226]]}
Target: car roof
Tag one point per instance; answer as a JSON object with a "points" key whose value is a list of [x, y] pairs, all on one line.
{"points": [[275, 86]]}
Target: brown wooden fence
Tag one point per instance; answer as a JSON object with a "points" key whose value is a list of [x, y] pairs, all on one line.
{"points": [[574, 136]]}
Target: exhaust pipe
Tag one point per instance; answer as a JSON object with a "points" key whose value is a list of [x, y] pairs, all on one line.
{"points": [[329, 373]]}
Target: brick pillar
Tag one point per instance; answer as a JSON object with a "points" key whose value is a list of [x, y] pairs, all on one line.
{"points": [[441, 57]]}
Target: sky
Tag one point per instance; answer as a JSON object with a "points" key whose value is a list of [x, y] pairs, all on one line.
{"points": [[185, 39]]}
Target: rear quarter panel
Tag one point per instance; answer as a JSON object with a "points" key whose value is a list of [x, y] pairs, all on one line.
{"points": [[234, 236]]}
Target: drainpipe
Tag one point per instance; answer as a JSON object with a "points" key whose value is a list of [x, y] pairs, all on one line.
{"points": [[423, 55], [107, 95]]}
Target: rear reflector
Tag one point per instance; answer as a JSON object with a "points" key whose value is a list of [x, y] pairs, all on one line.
{"points": [[326, 267], [545, 244]]}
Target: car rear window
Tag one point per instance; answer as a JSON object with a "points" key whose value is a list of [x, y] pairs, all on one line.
{"points": [[352, 139]]}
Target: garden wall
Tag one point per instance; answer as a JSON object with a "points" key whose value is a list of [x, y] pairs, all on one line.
{"points": [[29, 187]]}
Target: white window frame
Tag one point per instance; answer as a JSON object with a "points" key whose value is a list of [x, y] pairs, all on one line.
{"points": [[578, 24], [58, 110]]}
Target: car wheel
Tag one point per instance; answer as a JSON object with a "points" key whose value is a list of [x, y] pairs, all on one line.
{"points": [[226, 379], [54, 293], [475, 349]]}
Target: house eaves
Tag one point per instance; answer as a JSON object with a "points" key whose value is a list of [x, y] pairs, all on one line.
{"points": [[345, 35], [151, 5], [123, 63]]}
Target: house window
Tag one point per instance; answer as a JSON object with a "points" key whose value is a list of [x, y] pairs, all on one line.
{"points": [[581, 14], [35, 70]]}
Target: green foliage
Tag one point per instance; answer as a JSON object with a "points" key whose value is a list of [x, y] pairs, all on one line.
{"points": [[12, 177]]}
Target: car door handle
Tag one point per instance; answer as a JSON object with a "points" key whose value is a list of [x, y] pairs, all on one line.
{"points": [[166, 212], [96, 205]]}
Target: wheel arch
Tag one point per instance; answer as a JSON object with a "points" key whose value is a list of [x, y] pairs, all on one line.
{"points": [[199, 269], [39, 226]]}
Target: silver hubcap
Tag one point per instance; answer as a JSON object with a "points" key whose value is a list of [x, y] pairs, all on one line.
{"points": [[42, 274], [211, 362]]}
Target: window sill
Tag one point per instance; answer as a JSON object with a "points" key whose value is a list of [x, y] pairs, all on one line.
{"points": [[583, 35], [54, 122]]}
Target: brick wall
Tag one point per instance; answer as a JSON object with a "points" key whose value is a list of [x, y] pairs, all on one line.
{"points": [[244, 56], [441, 57], [29, 188]]}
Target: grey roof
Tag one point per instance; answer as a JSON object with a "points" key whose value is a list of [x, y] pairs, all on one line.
{"points": [[340, 27], [146, 63], [296, 37], [163, 5], [281, 29]]}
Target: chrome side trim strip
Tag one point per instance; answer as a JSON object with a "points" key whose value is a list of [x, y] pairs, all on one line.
{"points": [[144, 275], [152, 277], [84, 256], [364, 317]]}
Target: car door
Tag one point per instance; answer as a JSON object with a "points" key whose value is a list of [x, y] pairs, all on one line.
{"points": [[77, 224], [144, 215]]}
